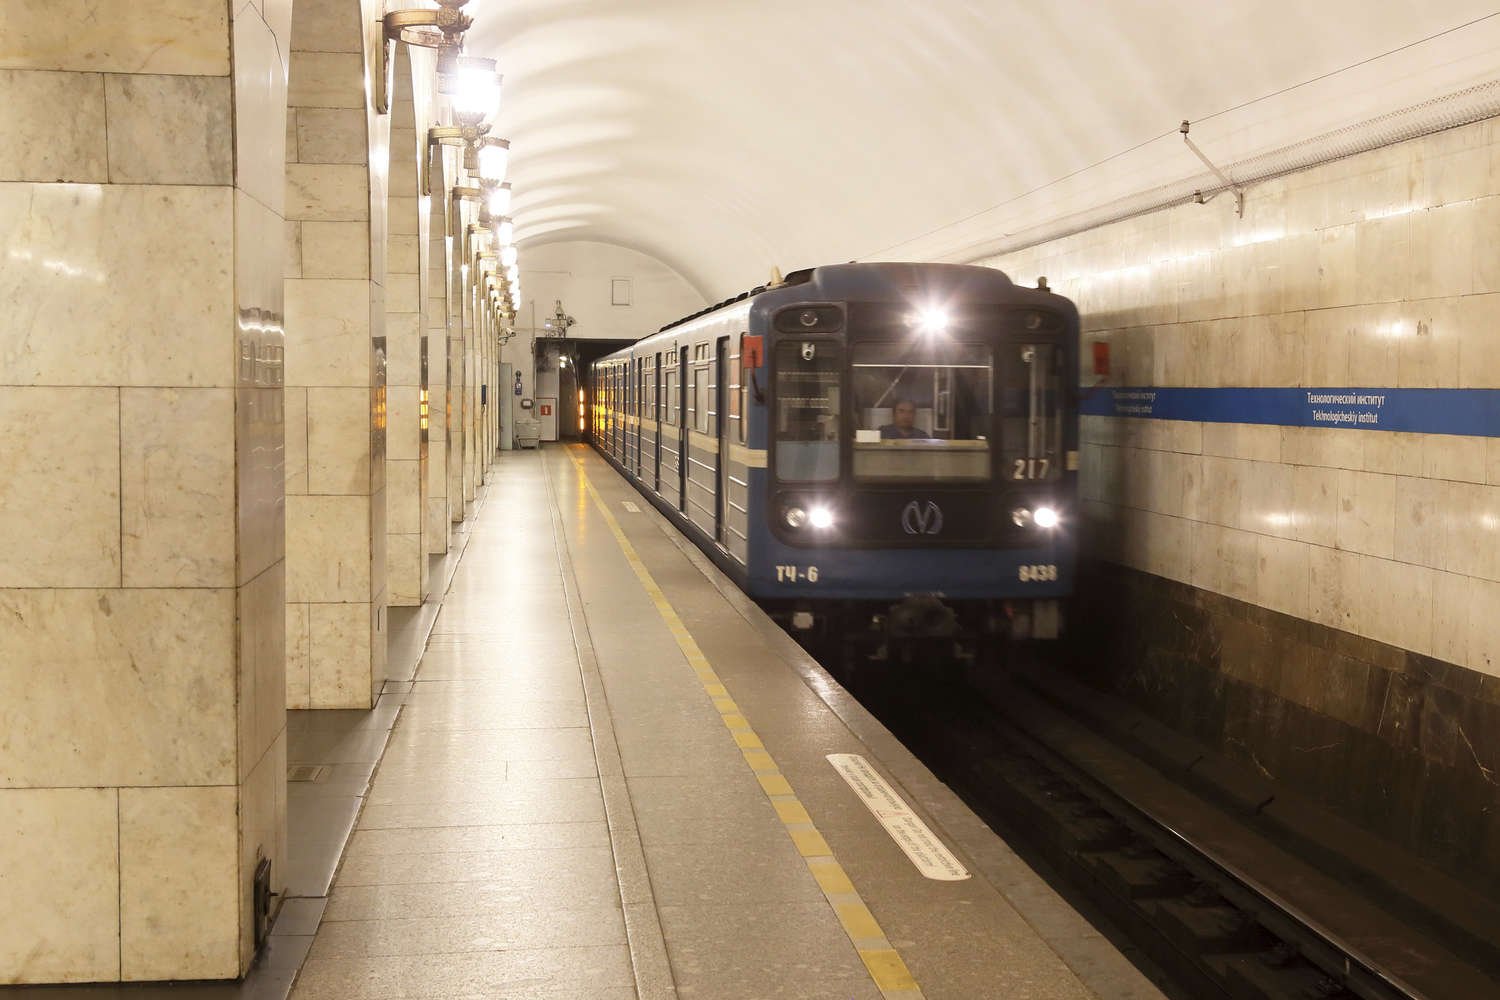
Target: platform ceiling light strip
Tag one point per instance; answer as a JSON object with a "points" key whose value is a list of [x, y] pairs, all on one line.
{"points": [[880, 958], [1463, 107]]}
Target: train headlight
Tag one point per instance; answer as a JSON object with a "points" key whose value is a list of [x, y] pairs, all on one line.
{"points": [[932, 321], [1021, 517], [795, 517], [821, 517], [1045, 517]]}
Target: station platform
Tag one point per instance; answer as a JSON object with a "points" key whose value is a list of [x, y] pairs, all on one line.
{"points": [[613, 777]]}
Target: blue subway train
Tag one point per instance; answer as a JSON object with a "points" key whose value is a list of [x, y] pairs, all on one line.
{"points": [[881, 452]]}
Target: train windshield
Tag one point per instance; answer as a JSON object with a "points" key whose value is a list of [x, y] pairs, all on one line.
{"points": [[808, 373], [922, 411]]}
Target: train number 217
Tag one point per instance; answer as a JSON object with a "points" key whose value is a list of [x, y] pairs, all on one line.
{"points": [[1039, 574], [1030, 468]]}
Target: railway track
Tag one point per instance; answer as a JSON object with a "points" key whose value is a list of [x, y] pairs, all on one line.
{"points": [[1218, 908]]}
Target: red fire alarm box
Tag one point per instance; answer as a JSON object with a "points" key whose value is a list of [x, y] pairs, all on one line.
{"points": [[1101, 357], [546, 409]]}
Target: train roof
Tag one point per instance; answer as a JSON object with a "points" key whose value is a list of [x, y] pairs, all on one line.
{"points": [[837, 280]]}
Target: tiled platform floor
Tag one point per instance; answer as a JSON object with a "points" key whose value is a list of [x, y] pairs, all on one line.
{"points": [[561, 811]]}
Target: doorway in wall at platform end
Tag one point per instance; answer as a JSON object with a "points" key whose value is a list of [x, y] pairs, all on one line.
{"points": [[562, 367]]}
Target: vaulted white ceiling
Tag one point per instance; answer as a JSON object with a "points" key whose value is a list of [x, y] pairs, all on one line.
{"points": [[723, 138]]}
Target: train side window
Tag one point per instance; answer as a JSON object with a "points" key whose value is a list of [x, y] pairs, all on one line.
{"points": [[736, 393], [701, 409], [669, 405]]}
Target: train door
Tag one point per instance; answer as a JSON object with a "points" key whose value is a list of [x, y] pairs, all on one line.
{"points": [[721, 432], [682, 428], [657, 415], [640, 413]]}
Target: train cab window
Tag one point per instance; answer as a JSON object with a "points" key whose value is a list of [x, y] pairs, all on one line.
{"points": [[1031, 402], [809, 375], [922, 411]]}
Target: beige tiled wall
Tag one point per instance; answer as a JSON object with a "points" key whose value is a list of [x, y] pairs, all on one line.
{"points": [[142, 577], [337, 160], [1376, 270]]}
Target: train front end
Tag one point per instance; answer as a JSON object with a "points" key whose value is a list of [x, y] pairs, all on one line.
{"points": [[922, 452]]}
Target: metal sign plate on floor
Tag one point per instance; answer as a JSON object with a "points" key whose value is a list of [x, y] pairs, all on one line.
{"points": [[915, 839], [628, 505]]}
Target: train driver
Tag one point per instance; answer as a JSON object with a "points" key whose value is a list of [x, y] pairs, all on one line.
{"points": [[903, 422]]}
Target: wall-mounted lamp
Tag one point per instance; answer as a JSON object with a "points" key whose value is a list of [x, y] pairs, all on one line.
{"points": [[442, 29], [491, 158], [509, 255], [473, 84], [505, 230], [499, 197]]}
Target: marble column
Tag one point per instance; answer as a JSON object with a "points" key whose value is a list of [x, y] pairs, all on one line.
{"points": [[337, 153], [406, 337], [142, 777], [459, 372], [437, 317]]}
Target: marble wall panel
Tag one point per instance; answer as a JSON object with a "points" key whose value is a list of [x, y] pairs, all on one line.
{"points": [[404, 493], [61, 511], [403, 349], [296, 441], [1478, 347], [341, 649], [335, 249], [328, 549], [73, 266], [327, 192], [338, 441], [292, 255], [404, 570], [403, 427], [189, 37], [1485, 266], [1394, 453], [328, 331], [1453, 456], [332, 135], [328, 26], [260, 108], [263, 652], [1483, 634], [169, 129], [61, 849], [179, 883], [298, 653], [57, 148], [402, 293], [157, 665], [262, 834], [177, 479], [1367, 513], [326, 80]]}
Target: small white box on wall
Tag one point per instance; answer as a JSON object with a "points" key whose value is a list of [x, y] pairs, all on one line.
{"points": [[619, 291]]}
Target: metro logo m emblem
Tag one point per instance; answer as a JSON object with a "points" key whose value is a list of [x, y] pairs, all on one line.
{"points": [[918, 518]]}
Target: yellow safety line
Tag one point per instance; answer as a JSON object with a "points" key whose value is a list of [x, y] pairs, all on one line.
{"points": [[881, 959]]}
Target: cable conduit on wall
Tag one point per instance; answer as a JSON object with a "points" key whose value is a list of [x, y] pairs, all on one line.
{"points": [[1462, 107]]}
